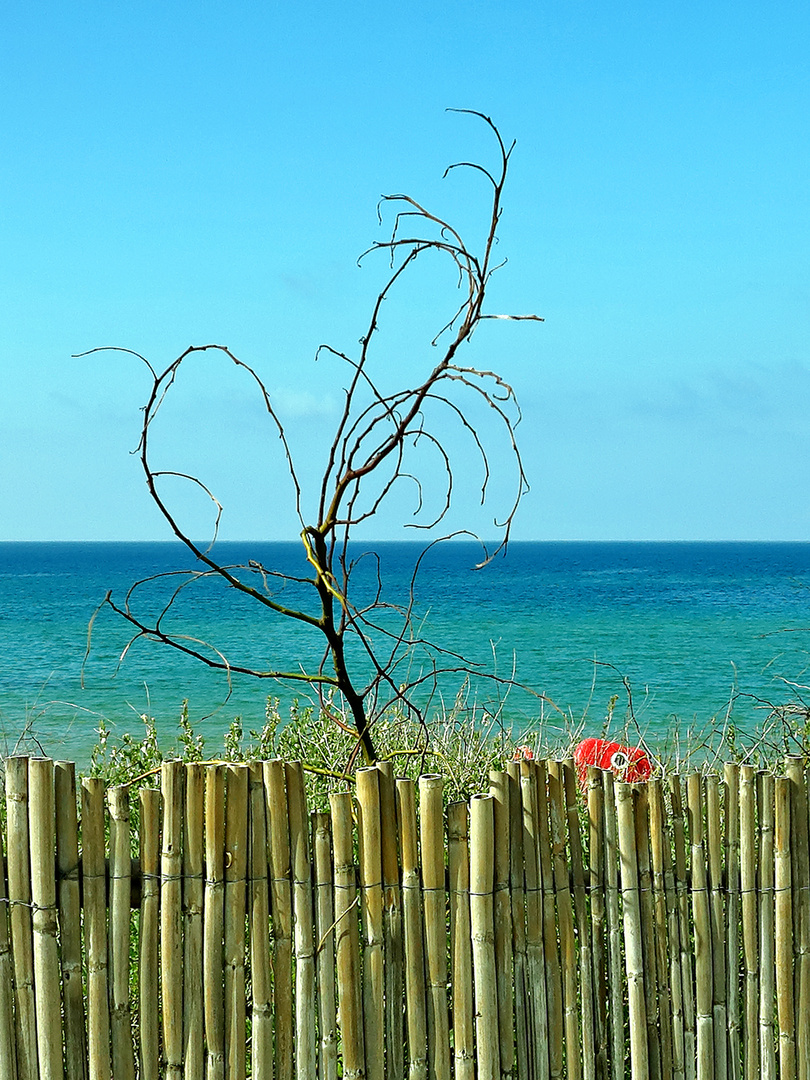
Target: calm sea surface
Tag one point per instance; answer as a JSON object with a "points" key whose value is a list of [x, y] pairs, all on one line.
{"points": [[687, 624]]}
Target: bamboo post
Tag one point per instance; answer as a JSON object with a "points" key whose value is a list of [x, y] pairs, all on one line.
{"points": [[568, 951], [434, 900], [681, 889], [588, 1027], [659, 1018], [94, 890], [19, 893], [554, 998], [123, 1058], [261, 1015], [8, 1048], [748, 886], [214, 921], [596, 888], [674, 940], [275, 793], [634, 956], [325, 958], [461, 970], [42, 839], [499, 786], [714, 849], [392, 925], [304, 923], [148, 951], [518, 917], [368, 827], [415, 1003], [767, 986], [611, 864], [800, 847], [703, 933], [70, 919], [482, 857], [668, 971], [171, 929], [236, 838], [783, 916], [347, 938], [731, 786], [651, 988], [536, 1008], [193, 899]]}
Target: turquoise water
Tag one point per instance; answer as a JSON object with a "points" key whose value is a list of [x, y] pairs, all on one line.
{"points": [[689, 625]]}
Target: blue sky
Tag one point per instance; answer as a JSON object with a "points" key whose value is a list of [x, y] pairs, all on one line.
{"points": [[189, 173]]}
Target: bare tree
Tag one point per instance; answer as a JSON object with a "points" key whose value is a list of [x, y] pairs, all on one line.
{"points": [[372, 449]]}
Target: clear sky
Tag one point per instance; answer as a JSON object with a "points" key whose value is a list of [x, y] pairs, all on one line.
{"points": [[176, 174]]}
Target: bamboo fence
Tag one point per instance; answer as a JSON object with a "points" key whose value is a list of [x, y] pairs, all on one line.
{"points": [[216, 928]]}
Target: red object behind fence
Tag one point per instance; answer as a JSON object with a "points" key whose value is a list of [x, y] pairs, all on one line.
{"points": [[627, 763]]}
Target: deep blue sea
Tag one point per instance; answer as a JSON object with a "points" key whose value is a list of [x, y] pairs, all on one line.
{"points": [[689, 626]]}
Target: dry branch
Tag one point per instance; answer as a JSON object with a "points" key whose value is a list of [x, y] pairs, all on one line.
{"points": [[377, 434]]}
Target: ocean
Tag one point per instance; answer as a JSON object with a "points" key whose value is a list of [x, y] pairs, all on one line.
{"points": [[695, 631]]}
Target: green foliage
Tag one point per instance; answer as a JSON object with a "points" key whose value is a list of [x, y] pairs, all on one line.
{"points": [[128, 758], [462, 742]]}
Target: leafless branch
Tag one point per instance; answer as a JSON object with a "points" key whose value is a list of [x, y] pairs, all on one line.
{"points": [[372, 448]]}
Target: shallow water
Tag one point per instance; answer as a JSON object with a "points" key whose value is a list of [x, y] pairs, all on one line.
{"points": [[688, 625]]}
